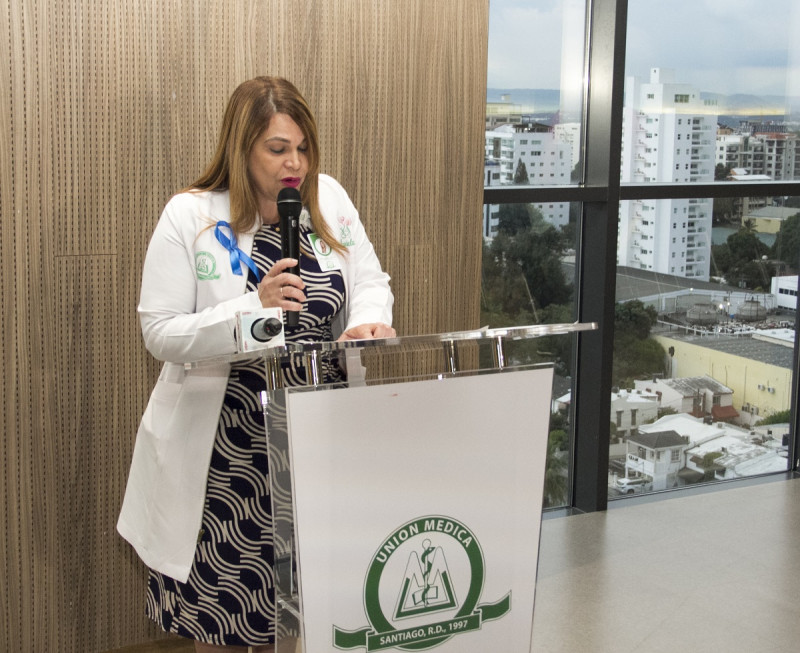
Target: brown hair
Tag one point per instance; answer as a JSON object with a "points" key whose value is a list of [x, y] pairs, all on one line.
{"points": [[250, 109]]}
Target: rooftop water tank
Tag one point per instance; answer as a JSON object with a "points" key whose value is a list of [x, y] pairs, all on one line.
{"points": [[750, 310], [703, 313]]}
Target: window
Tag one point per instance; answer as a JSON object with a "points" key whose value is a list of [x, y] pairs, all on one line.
{"points": [[674, 93]]}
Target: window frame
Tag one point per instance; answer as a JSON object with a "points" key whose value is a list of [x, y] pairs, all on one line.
{"points": [[599, 194]]}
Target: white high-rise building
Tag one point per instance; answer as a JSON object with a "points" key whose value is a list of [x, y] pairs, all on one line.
{"points": [[547, 160], [668, 135]]}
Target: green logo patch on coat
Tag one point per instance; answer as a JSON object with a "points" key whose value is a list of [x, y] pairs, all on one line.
{"points": [[206, 266]]}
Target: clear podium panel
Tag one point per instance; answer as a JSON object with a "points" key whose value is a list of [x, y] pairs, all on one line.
{"points": [[406, 503], [415, 512], [288, 620]]}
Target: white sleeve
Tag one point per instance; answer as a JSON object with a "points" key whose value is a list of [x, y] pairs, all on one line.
{"points": [[173, 327], [370, 297]]}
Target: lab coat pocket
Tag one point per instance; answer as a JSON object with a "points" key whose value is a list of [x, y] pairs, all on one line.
{"points": [[163, 400]]}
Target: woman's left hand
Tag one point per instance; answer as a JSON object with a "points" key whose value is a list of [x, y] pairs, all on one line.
{"points": [[368, 331]]}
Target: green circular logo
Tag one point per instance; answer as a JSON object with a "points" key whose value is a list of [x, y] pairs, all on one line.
{"points": [[436, 565], [422, 587], [206, 266]]}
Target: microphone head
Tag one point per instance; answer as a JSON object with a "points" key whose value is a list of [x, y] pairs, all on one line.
{"points": [[289, 203], [265, 329]]}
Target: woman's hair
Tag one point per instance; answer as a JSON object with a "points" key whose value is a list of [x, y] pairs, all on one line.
{"points": [[248, 114]]}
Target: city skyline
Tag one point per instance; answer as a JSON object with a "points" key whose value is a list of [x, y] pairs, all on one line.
{"points": [[527, 39]]}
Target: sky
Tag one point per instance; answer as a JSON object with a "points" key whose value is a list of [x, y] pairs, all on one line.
{"points": [[719, 46]]}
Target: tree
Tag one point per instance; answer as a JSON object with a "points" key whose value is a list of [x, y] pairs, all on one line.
{"points": [[787, 242], [521, 174], [555, 472], [778, 417], [577, 173], [523, 282], [634, 319], [722, 211], [636, 359], [721, 172], [636, 354], [741, 259], [512, 218], [745, 244], [559, 348], [522, 265], [721, 259]]}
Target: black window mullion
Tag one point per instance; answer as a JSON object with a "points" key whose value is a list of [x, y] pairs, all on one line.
{"points": [[596, 274]]}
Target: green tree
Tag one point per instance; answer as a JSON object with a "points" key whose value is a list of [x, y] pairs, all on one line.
{"points": [[634, 319], [721, 259], [741, 259], [636, 354], [636, 359], [557, 349], [787, 242], [745, 244], [555, 473], [522, 266], [577, 173], [721, 172], [778, 417], [523, 282], [512, 218], [723, 210], [521, 174]]}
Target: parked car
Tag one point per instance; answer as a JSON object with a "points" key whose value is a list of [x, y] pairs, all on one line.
{"points": [[631, 485]]}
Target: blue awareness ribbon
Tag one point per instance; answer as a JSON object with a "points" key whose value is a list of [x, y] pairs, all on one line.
{"points": [[237, 255]]}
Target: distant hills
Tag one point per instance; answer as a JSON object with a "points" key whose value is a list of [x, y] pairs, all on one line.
{"points": [[541, 102], [530, 100]]}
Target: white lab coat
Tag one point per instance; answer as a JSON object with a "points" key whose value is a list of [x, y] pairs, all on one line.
{"points": [[186, 316]]}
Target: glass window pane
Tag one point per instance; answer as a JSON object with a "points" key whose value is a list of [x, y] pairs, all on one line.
{"points": [[699, 108], [533, 138], [702, 368], [528, 277], [534, 99]]}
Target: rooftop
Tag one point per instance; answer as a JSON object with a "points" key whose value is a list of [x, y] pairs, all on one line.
{"points": [[691, 385], [757, 349], [658, 439], [633, 283], [774, 212]]}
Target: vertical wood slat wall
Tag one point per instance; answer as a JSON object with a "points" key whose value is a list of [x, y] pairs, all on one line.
{"points": [[106, 109]]}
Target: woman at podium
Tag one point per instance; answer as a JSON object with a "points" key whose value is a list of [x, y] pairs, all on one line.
{"points": [[197, 505]]}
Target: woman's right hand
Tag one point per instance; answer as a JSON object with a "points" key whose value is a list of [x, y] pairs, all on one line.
{"points": [[278, 288]]}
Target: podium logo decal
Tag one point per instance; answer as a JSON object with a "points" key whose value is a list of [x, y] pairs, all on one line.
{"points": [[422, 588]]}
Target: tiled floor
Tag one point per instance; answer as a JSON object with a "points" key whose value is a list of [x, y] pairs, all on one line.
{"points": [[718, 571], [710, 572]]}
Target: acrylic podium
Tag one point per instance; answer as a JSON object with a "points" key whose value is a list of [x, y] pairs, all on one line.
{"points": [[407, 502]]}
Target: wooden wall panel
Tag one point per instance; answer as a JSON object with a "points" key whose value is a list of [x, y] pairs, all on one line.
{"points": [[106, 109]]}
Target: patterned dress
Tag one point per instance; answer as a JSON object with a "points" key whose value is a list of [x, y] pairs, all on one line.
{"points": [[229, 596]]}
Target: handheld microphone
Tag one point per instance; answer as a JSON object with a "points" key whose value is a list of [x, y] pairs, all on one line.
{"points": [[289, 208]]}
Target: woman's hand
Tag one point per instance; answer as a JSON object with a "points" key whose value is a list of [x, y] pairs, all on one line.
{"points": [[368, 331], [278, 288]]}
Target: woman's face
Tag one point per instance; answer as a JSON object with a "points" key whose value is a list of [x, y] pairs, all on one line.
{"points": [[278, 160]]}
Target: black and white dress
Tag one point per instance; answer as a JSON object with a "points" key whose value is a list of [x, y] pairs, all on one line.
{"points": [[229, 596]]}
